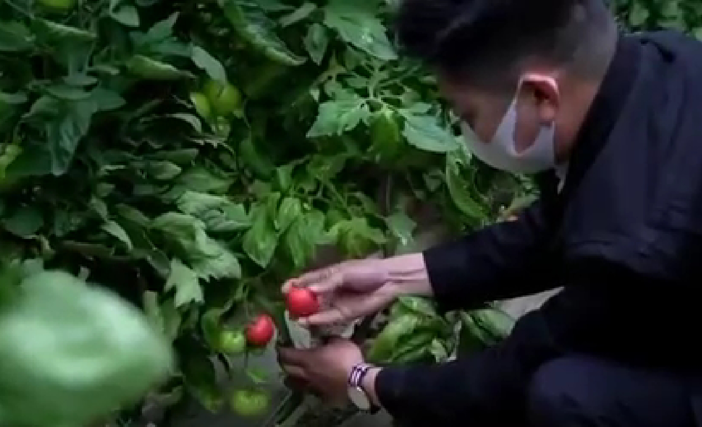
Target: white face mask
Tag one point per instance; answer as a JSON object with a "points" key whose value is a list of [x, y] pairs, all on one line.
{"points": [[501, 151]]}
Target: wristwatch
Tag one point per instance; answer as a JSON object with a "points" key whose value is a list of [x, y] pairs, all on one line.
{"points": [[357, 394]]}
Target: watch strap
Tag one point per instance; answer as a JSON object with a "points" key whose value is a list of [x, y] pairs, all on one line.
{"points": [[358, 373]]}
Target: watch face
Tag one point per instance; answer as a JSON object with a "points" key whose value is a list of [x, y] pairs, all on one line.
{"points": [[358, 397]]}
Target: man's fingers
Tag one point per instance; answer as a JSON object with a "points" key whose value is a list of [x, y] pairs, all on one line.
{"points": [[292, 356], [296, 372], [326, 317], [328, 286], [319, 281], [296, 383], [323, 281]]}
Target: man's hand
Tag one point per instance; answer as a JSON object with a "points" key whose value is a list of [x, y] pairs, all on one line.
{"points": [[354, 289], [323, 369]]}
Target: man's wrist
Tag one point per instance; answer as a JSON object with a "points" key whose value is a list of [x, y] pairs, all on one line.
{"points": [[407, 275], [368, 385]]}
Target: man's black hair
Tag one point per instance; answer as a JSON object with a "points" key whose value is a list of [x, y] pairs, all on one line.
{"points": [[485, 41]]}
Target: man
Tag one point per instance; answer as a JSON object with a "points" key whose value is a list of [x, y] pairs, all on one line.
{"points": [[612, 126]]}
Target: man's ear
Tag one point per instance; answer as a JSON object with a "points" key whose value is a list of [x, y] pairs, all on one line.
{"points": [[544, 91]]}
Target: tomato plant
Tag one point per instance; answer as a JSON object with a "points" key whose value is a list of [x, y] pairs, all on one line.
{"points": [[192, 155]]}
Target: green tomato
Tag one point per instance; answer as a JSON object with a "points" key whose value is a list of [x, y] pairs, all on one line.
{"points": [[59, 5], [249, 403], [225, 98], [201, 104], [232, 342]]}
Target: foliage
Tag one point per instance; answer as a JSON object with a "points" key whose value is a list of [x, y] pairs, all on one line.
{"points": [[192, 155], [161, 148], [65, 343]]}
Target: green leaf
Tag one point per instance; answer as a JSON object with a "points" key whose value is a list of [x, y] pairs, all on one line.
{"points": [[418, 305], [190, 119], [105, 99], [250, 21], [384, 345], [301, 13], [152, 69], [438, 350], [163, 316], [80, 80], [316, 42], [162, 170], [15, 37], [338, 116], [185, 282], [460, 195], [220, 265], [299, 243], [638, 14], [357, 24], [116, 230], [357, 237], [65, 133], [289, 210], [16, 98], [494, 322], [53, 32], [424, 133], [204, 180], [401, 226], [209, 64], [187, 235], [67, 93], [216, 212], [125, 14], [25, 221], [99, 362], [261, 240]]}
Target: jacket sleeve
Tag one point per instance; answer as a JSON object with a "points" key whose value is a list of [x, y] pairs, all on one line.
{"points": [[505, 260]]}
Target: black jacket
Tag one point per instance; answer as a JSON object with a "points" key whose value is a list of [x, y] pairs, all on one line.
{"points": [[624, 238]]}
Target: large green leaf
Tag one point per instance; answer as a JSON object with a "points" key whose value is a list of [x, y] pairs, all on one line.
{"points": [[357, 23], [251, 22]]}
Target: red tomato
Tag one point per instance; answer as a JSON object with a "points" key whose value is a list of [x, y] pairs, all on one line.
{"points": [[260, 331], [301, 302]]}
